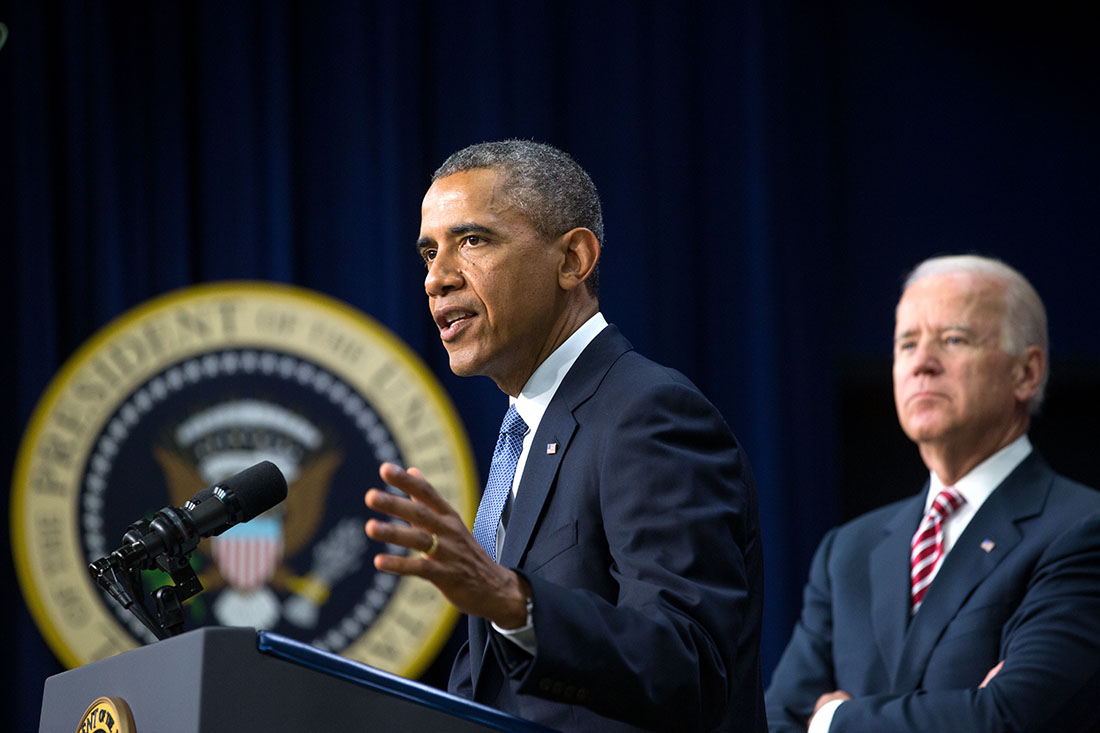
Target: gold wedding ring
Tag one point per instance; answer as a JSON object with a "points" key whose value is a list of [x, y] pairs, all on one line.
{"points": [[430, 552]]}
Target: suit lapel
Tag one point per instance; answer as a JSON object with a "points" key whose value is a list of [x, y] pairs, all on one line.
{"points": [[556, 427], [889, 574], [1019, 496], [478, 640]]}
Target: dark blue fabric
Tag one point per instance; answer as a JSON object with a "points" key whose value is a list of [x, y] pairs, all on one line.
{"points": [[640, 540], [769, 170], [1030, 596]]}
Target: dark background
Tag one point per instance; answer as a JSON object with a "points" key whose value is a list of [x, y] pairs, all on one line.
{"points": [[770, 169]]}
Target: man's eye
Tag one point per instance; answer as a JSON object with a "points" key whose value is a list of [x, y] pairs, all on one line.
{"points": [[428, 255], [954, 340], [472, 239]]}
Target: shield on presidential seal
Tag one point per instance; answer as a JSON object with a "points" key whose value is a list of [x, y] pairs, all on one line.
{"points": [[247, 554]]}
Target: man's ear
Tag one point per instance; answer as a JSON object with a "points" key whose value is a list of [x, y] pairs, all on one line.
{"points": [[1029, 373], [582, 252]]}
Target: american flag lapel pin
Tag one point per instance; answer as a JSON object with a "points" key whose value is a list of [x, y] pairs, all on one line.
{"points": [[988, 545], [551, 448]]}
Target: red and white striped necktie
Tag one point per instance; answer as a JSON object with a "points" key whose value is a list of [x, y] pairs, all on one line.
{"points": [[927, 549]]}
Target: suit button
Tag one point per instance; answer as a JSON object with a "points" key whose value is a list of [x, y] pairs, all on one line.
{"points": [[544, 684], [582, 694], [570, 691], [558, 687]]}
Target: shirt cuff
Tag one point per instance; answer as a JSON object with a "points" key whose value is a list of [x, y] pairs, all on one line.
{"points": [[523, 637], [823, 718]]}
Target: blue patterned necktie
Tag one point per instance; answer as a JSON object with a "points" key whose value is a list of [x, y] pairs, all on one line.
{"points": [[499, 485]]}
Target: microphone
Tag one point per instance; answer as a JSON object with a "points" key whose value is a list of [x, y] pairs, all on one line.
{"points": [[176, 531], [166, 541]]}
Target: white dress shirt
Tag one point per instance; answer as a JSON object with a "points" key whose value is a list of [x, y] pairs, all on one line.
{"points": [[975, 487]]}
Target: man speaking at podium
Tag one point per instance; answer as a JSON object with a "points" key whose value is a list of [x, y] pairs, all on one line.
{"points": [[614, 576]]}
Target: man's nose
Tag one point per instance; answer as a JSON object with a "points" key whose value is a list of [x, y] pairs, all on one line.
{"points": [[926, 357], [444, 274]]}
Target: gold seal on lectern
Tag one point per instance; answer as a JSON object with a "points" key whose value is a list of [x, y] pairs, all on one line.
{"points": [[107, 715]]}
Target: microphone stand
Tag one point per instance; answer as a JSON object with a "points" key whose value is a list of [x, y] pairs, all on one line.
{"points": [[120, 575]]}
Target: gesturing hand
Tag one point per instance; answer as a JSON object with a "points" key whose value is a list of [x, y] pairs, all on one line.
{"points": [[457, 564]]}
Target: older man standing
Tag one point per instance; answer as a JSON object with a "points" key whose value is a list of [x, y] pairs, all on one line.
{"points": [[974, 605], [614, 576]]}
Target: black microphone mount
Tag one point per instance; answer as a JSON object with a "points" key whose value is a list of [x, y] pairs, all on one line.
{"points": [[166, 541]]}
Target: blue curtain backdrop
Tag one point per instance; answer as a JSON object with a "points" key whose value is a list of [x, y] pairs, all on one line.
{"points": [[769, 169]]}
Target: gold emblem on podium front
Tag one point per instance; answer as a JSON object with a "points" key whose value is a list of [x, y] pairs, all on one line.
{"points": [[107, 715]]}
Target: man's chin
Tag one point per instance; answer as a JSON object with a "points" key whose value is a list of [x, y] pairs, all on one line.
{"points": [[924, 422], [464, 366], [925, 431]]}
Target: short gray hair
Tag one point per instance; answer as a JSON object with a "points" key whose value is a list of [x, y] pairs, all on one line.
{"points": [[1025, 319], [544, 183]]}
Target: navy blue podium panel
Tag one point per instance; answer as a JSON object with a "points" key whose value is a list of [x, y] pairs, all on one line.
{"points": [[237, 680]]}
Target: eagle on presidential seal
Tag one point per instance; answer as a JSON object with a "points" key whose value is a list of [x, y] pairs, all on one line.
{"points": [[247, 567]]}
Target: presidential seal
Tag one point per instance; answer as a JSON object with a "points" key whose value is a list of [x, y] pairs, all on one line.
{"points": [[107, 715], [192, 387]]}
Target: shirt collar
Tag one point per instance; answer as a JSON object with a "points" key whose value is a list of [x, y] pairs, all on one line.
{"points": [[977, 485], [541, 386]]}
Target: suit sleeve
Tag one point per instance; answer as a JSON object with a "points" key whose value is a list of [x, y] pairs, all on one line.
{"points": [[805, 671], [678, 511], [1051, 647]]}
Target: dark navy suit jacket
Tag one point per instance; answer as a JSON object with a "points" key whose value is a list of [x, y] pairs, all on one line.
{"points": [[639, 536], [1022, 584]]}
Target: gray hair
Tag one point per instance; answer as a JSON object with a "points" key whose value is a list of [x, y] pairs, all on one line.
{"points": [[544, 183], [1025, 319]]}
